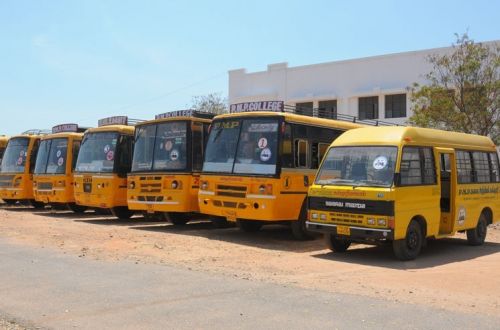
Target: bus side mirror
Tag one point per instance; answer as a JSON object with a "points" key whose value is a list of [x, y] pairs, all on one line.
{"points": [[397, 179]]}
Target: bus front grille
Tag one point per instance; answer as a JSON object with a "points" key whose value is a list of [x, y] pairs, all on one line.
{"points": [[150, 198], [150, 187], [346, 218], [231, 191], [44, 186], [6, 180]]}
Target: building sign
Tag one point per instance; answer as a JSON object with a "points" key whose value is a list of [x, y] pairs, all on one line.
{"points": [[116, 120], [65, 128], [276, 106], [178, 113]]}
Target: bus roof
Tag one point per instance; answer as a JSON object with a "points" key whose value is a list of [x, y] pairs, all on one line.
{"points": [[190, 118], [398, 135], [61, 135], [124, 129], [292, 117]]}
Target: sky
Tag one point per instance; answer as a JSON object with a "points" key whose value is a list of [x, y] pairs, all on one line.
{"points": [[77, 61]]}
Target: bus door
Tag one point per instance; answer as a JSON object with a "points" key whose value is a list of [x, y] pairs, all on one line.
{"points": [[448, 179]]}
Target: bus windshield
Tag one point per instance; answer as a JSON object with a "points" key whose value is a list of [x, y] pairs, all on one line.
{"points": [[51, 158], [97, 153], [371, 166], [161, 147], [243, 146], [15, 155]]}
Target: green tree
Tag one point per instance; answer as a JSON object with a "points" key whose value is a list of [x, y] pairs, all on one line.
{"points": [[213, 103], [462, 92]]}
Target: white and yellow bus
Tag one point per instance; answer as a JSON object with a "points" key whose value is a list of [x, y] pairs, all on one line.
{"points": [[260, 159], [16, 172], [403, 185], [168, 157], [104, 160], [53, 180]]}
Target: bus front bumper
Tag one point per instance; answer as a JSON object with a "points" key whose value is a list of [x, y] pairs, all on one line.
{"points": [[363, 234]]}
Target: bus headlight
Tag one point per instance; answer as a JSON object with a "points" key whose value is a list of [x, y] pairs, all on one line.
{"points": [[174, 184], [381, 222], [371, 221], [314, 216], [322, 216], [131, 185], [204, 185]]}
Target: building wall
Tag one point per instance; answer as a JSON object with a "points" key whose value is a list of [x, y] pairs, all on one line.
{"points": [[344, 81]]}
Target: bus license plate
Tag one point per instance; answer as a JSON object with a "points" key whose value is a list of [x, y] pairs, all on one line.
{"points": [[343, 230]]}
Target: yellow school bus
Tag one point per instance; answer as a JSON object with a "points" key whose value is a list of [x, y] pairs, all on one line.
{"points": [[3, 144], [402, 185], [18, 163], [259, 162], [53, 180], [168, 157], [104, 160]]}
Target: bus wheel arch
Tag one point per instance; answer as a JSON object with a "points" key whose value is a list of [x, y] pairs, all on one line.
{"points": [[298, 226], [488, 213], [477, 235], [410, 246]]}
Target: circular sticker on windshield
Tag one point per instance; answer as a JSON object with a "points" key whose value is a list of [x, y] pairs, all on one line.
{"points": [[110, 155], [265, 154], [21, 153], [380, 163], [60, 161], [262, 143], [107, 148], [174, 155], [19, 160], [58, 153], [168, 145]]}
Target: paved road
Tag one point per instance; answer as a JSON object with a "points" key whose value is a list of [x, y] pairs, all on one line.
{"points": [[48, 289]]}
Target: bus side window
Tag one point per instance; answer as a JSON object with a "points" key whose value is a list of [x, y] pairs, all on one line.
{"points": [[464, 167], [197, 143], [495, 168], [34, 153], [123, 163], [301, 153], [318, 150], [411, 171], [76, 150]]}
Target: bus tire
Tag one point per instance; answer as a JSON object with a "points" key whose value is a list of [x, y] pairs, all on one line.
{"points": [[337, 244], [178, 218], [298, 226], [409, 247], [10, 201], [477, 235], [78, 209], [37, 205], [122, 212], [101, 211], [249, 226]]}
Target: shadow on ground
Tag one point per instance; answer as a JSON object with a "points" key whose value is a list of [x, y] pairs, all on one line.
{"points": [[436, 253]]}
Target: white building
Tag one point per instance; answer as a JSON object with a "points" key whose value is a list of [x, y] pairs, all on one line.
{"points": [[372, 88]]}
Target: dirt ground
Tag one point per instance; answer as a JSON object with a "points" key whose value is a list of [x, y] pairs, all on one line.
{"points": [[449, 274]]}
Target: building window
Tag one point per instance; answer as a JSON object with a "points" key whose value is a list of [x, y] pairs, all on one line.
{"points": [[304, 108], [395, 106], [368, 107], [327, 109]]}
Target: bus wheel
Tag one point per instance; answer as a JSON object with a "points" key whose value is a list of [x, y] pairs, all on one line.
{"points": [[299, 229], [178, 219], [337, 244], [78, 209], [10, 201], [101, 211], [249, 226], [219, 222], [122, 212], [37, 205], [409, 247], [476, 236]]}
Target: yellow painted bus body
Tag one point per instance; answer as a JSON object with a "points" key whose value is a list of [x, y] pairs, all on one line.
{"points": [[16, 176], [173, 193], [439, 203], [99, 188], [264, 198], [57, 187]]}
